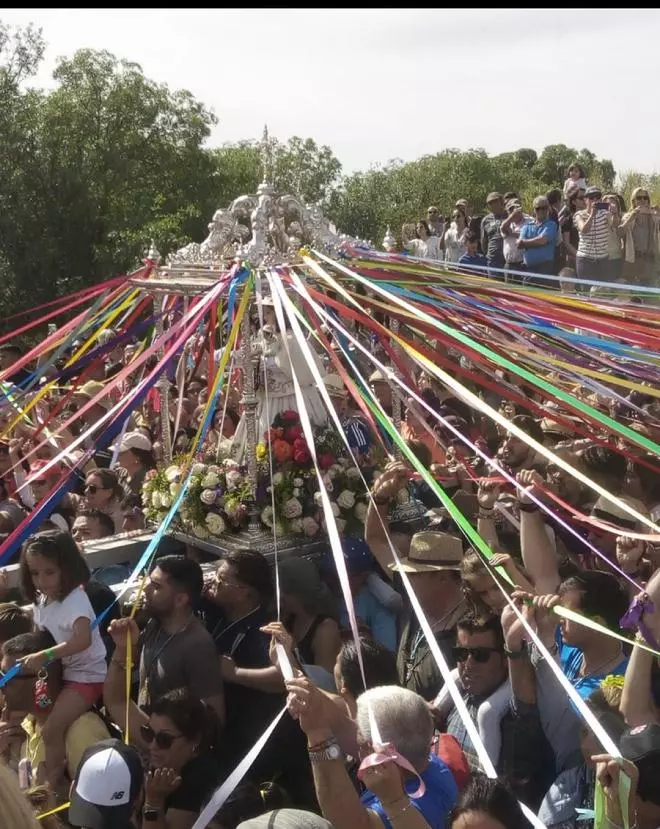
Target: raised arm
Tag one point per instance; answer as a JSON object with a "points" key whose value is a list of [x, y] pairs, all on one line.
{"points": [[637, 704], [384, 490], [538, 552]]}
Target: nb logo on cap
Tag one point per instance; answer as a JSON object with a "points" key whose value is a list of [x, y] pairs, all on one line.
{"points": [[117, 796]]}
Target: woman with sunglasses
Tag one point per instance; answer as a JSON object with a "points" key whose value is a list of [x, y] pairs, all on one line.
{"points": [[103, 492], [641, 240], [179, 738]]}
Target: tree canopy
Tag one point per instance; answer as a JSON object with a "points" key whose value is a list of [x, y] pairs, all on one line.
{"points": [[109, 159]]}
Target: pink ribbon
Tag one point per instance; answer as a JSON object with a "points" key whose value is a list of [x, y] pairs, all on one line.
{"points": [[387, 753]]}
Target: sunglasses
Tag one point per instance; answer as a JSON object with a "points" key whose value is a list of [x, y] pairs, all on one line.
{"points": [[93, 489], [541, 207], [163, 739], [642, 198], [480, 654]]}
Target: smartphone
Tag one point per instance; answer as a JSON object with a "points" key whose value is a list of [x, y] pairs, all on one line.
{"points": [[602, 205]]}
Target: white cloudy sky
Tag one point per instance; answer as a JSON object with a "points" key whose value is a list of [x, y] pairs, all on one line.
{"points": [[388, 83]]}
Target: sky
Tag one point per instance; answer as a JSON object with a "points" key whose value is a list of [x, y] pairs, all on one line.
{"points": [[386, 83]]}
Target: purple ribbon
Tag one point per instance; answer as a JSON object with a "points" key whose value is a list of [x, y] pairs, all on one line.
{"points": [[634, 618]]}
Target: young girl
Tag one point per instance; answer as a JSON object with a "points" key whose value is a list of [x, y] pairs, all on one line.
{"points": [[52, 575]]}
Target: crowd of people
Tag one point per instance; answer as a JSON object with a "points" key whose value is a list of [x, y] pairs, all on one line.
{"points": [[579, 232], [135, 720]]}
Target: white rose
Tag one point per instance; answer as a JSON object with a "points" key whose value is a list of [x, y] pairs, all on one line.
{"points": [[278, 478], [156, 502], [296, 492], [200, 531], [361, 511], [334, 470], [346, 499], [267, 516], [175, 489], [210, 480], [165, 501], [215, 523], [298, 481], [297, 525], [230, 463], [353, 472], [233, 478], [318, 499], [335, 509], [172, 473], [198, 469], [279, 530], [292, 508], [207, 497], [341, 525], [310, 527]]}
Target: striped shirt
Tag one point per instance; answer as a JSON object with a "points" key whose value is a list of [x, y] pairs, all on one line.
{"points": [[594, 242]]}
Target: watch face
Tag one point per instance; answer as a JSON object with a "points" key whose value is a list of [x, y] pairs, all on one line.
{"points": [[334, 752]]}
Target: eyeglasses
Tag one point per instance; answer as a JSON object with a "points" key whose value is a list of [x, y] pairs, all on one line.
{"points": [[479, 654], [431, 211], [163, 739]]}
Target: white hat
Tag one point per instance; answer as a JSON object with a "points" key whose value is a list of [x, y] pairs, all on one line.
{"points": [[334, 385], [107, 784], [286, 819], [134, 440]]}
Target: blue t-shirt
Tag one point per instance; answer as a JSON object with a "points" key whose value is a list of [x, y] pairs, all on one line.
{"points": [[436, 802], [474, 259], [543, 253], [380, 620], [571, 661]]}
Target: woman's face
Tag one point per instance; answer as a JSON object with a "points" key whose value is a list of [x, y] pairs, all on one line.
{"points": [[174, 750], [96, 495], [574, 173], [485, 589], [421, 231]]}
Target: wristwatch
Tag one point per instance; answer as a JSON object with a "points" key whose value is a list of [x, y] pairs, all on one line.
{"points": [[516, 654], [151, 813], [330, 751]]}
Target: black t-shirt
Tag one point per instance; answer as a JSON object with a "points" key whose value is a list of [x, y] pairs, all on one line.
{"points": [[248, 711], [199, 779]]}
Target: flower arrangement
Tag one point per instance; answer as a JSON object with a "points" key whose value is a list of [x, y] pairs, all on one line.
{"points": [[289, 501], [214, 501]]}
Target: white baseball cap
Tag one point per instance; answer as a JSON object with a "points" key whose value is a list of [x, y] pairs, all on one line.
{"points": [[134, 440], [107, 784]]}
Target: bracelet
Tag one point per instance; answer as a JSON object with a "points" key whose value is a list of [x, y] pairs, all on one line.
{"points": [[486, 513], [516, 654], [523, 507], [50, 656], [401, 811]]}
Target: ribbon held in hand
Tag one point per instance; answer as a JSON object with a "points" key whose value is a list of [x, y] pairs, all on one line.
{"points": [[387, 753], [634, 617]]}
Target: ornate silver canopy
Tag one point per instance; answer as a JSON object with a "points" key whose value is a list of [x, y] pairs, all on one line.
{"points": [[262, 229]]}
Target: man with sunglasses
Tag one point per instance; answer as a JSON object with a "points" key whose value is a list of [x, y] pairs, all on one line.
{"points": [[435, 222], [538, 240], [485, 662]]}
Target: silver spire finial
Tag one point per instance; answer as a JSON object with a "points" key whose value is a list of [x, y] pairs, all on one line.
{"points": [[153, 254]]}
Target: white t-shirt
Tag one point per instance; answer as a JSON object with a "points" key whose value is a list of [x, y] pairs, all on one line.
{"points": [[429, 249], [58, 619]]}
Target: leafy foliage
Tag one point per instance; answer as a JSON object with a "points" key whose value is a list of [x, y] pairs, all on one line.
{"points": [[110, 159]]}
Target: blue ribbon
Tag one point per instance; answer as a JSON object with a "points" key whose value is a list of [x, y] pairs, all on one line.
{"points": [[238, 279]]}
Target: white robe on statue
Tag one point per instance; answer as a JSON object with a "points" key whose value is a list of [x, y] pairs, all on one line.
{"points": [[276, 381]]}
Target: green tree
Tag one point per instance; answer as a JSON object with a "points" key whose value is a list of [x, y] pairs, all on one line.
{"points": [[301, 168]]}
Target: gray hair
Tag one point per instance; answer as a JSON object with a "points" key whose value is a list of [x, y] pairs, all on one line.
{"points": [[403, 719]]}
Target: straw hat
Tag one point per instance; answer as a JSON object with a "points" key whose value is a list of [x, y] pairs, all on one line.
{"points": [[430, 552]]}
